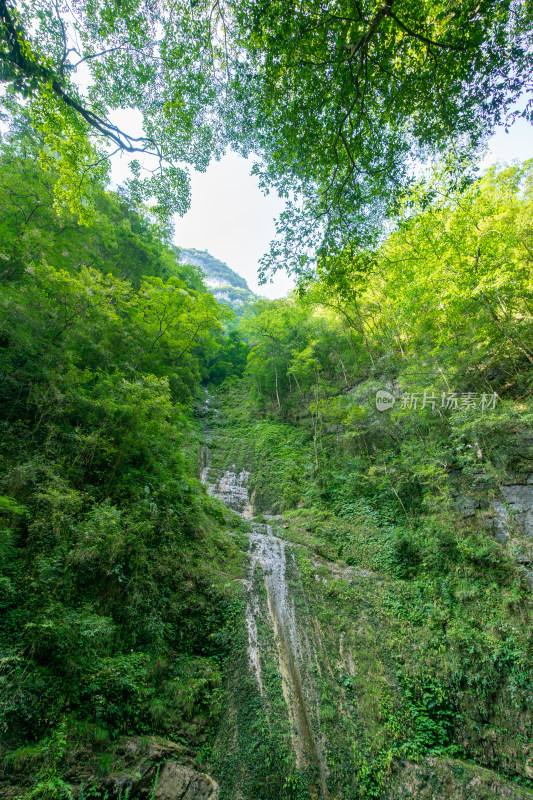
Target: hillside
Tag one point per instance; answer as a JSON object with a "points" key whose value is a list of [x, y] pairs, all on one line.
{"points": [[290, 559], [224, 283], [388, 594]]}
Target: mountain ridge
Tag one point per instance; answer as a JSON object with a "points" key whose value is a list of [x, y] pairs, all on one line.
{"points": [[227, 286]]}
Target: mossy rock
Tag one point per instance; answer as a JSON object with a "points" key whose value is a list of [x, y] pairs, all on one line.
{"points": [[449, 779]]}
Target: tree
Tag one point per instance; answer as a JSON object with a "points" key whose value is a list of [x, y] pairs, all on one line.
{"points": [[454, 279], [230, 359], [119, 237], [133, 54], [340, 98]]}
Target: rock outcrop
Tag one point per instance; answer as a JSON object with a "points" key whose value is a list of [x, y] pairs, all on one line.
{"points": [[151, 769], [509, 517]]}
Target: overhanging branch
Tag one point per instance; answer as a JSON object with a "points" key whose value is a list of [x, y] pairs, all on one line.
{"points": [[15, 56]]}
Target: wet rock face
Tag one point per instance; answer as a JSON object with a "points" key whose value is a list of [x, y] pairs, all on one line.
{"points": [[269, 553], [230, 487], [268, 564]]}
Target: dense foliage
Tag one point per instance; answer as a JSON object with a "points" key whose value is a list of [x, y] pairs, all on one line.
{"points": [[337, 99], [445, 300], [113, 611]]}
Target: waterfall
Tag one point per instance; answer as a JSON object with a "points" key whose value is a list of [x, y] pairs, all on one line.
{"points": [[230, 487], [269, 553]]}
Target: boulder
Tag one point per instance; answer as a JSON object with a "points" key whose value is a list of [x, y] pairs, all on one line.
{"points": [[179, 782]]}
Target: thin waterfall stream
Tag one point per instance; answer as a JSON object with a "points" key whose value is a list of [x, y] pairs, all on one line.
{"points": [[269, 554]]}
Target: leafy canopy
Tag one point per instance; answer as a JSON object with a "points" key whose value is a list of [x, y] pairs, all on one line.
{"points": [[336, 99], [75, 64], [340, 99]]}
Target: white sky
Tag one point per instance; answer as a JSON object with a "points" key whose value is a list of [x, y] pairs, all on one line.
{"points": [[232, 219]]}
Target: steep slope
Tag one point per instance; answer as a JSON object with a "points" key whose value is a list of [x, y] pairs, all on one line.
{"points": [[348, 679]]}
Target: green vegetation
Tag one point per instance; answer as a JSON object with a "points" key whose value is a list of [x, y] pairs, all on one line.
{"points": [[376, 640], [116, 592], [420, 619]]}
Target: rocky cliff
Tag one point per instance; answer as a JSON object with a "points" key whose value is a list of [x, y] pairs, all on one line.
{"points": [[226, 285]]}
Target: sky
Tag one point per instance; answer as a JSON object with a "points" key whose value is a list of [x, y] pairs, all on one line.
{"points": [[233, 220]]}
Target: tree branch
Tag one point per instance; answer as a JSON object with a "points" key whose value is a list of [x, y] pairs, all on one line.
{"points": [[101, 53], [420, 36], [383, 11], [33, 70]]}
